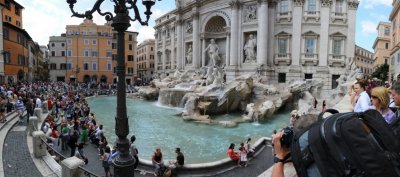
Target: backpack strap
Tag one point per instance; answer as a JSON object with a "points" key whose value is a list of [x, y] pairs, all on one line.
{"points": [[332, 111]]}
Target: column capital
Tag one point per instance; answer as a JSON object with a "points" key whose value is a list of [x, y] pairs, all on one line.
{"points": [[326, 3], [353, 5], [179, 22], [298, 2], [235, 4]]}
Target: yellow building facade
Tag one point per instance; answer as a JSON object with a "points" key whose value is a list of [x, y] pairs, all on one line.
{"points": [[91, 53]]}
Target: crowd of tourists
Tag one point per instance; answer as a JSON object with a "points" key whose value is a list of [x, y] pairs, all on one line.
{"points": [[70, 124]]}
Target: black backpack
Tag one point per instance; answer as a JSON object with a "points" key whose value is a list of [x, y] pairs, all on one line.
{"points": [[347, 145]]}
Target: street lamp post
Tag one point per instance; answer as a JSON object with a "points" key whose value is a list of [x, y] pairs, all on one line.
{"points": [[120, 22]]}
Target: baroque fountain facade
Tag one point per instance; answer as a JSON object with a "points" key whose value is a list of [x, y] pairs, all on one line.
{"points": [[254, 56]]}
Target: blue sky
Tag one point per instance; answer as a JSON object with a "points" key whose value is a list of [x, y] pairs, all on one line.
{"points": [[44, 18]]}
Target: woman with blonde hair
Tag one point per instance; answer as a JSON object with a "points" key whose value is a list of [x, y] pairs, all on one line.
{"points": [[380, 100]]}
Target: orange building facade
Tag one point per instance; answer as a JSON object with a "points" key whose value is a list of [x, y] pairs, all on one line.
{"points": [[91, 53], [15, 43]]}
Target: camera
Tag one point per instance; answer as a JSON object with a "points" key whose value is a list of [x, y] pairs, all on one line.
{"points": [[287, 137]]}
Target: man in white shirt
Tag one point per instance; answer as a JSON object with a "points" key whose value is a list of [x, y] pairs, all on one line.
{"points": [[363, 101], [38, 103]]}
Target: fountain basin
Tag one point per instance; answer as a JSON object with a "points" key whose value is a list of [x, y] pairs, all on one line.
{"points": [[157, 126]]}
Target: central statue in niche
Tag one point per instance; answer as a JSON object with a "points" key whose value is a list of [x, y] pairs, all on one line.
{"points": [[213, 53]]}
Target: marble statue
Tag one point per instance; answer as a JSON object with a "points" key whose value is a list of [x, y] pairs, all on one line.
{"points": [[213, 53], [250, 49], [189, 55]]}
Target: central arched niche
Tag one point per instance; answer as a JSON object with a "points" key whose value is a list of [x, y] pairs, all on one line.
{"points": [[215, 28]]}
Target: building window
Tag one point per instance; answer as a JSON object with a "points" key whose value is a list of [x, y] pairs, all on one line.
{"points": [[130, 57], [63, 66], [7, 4], [151, 48], [281, 77], [386, 45], [18, 23], [387, 31], [21, 60], [86, 41], [7, 57], [334, 82], [94, 54], [114, 46], [94, 66], [63, 53], [337, 47], [69, 41], [86, 53], [109, 54], [84, 32], [130, 37], [69, 65], [114, 57], [69, 53], [53, 53], [282, 46], [312, 6], [106, 34], [17, 11], [310, 45], [8, 18], [130, 46], [109, 65], [53, 66], [5, 33], [94, 42], [339, 7], [130, 70], [386, 60], [85, 66], [52, 44], [307, 76], [284, 6], [108, 42]]}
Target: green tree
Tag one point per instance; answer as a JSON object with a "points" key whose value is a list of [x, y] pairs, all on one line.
{"points": [[381, 72]]}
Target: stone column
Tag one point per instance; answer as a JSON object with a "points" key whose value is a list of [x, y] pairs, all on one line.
{"points": [[228, 50], [164, 52], [39, 147], [296, 39], [173, 51], [196, 40], [324, 36], [262, 34], [69, 167], [179, 49], [351, 29], [271, 31], [235, 5], [203, 54], [155, 53], [32, 124]]}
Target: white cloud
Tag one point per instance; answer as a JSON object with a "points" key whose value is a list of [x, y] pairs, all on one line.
{"points": [[369, 4], [368, 27]]}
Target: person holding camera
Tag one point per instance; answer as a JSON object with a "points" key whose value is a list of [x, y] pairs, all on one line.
{"points": [[281, 145]]}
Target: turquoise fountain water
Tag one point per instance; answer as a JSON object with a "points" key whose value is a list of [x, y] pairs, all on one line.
{"points": [[157, 126]]}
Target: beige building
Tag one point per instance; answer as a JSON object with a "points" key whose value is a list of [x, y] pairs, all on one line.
{"points": [[91, 53], [364, 60], [145, 60], [382, 44], [395, 36]]}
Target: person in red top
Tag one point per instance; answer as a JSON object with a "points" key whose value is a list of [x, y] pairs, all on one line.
{"points": [[232, 154], [49, 104]]}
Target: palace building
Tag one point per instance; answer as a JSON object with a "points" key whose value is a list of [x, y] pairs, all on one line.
{"points": [[283, 40]]}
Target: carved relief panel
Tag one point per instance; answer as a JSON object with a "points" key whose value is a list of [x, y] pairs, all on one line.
{"points": [[250, 13]]}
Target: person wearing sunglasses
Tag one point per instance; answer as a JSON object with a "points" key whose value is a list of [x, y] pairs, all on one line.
{"points": [[380, 100]]}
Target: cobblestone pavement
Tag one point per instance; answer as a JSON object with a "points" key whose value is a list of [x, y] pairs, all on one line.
{"points": [[17, 161]]}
